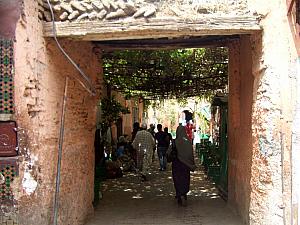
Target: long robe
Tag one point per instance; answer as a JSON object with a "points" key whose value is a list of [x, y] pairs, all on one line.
{"points": [[143, 143], [184, 163]]}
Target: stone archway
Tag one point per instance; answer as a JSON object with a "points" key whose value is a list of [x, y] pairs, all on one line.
{"points": [[256, 96], [77, 153]]}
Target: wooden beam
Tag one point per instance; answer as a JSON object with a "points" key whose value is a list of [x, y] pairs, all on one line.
{"points": [[168, 44], [154, 28]]}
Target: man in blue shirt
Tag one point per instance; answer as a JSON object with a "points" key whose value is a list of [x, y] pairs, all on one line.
{"points": [[162, 145]]}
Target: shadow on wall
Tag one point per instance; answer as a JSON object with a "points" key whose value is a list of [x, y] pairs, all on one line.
{"points": [[9, 14]]}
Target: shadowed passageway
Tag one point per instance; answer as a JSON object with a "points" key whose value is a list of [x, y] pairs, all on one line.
{"points": [[127, 200]]}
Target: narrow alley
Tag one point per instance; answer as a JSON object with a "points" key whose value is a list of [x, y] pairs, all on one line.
{"points": [[77, 75], [127, 200]]}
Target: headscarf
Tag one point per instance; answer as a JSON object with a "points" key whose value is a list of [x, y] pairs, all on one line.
{"points": [[184, 148]]}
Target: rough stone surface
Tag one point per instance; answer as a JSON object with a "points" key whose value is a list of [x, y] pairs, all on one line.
{"points": [[98, 5], [150, 8], [75, 14], [39, 83], [119, 13], [78, 6], [92, 15], [67, 7], [260, 115], [64, 16], [274, 56]]}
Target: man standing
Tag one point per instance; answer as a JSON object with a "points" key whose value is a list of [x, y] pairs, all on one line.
{"points": [[144, 144], [162, 146], [169, 136]]}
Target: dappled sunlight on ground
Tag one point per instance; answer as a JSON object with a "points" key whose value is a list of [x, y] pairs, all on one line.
{"points": [[160, 184], [128, 200]]}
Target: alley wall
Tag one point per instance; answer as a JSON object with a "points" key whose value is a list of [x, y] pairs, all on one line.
{"points": [[239, 130], [274, 62], [261, 104], [40, 75], [262, 88]]}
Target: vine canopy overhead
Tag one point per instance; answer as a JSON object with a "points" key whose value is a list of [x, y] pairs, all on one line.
{"points": [[176, 73]]}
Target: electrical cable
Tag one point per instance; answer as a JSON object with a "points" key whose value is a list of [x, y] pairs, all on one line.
{"points": [[90, 88]]}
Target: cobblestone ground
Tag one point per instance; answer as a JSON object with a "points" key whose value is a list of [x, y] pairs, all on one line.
{"points": [[128, 201]]}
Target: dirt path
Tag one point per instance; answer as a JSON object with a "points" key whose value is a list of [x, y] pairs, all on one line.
{"points": [[129, 201]]}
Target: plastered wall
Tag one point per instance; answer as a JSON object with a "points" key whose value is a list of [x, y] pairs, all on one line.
{"points": [[239, 129], [262, 100], [40, 75], [273, 56], [261, 103]]}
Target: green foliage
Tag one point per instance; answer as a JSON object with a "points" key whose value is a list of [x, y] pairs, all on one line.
{"points": [[147, 103], [182, 102], [203, 122], [167, 73], [111, 110]]}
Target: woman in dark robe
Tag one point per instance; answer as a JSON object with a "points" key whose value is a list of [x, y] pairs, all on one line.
{"points": [[182, 165]]}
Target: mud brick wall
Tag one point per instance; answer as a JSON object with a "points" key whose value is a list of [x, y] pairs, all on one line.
{"points": [[261, 104], [239, 129], [40, 71], [274, 59]]}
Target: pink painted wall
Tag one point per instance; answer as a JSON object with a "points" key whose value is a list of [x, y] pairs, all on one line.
{"points": [[128, 118], [261, 107], [274, 65], [39, 84], [239, 130]]}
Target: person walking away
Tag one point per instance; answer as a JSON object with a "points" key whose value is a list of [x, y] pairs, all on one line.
{"points": [[169, 136], [151, 130], [182, 165], [162, 146], [143, 143]]}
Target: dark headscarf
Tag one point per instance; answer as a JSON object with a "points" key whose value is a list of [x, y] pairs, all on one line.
{"points": [[184, 148]]}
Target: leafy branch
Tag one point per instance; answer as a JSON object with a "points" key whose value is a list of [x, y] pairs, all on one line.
{"points": [[167, 73], [112, 110]]}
